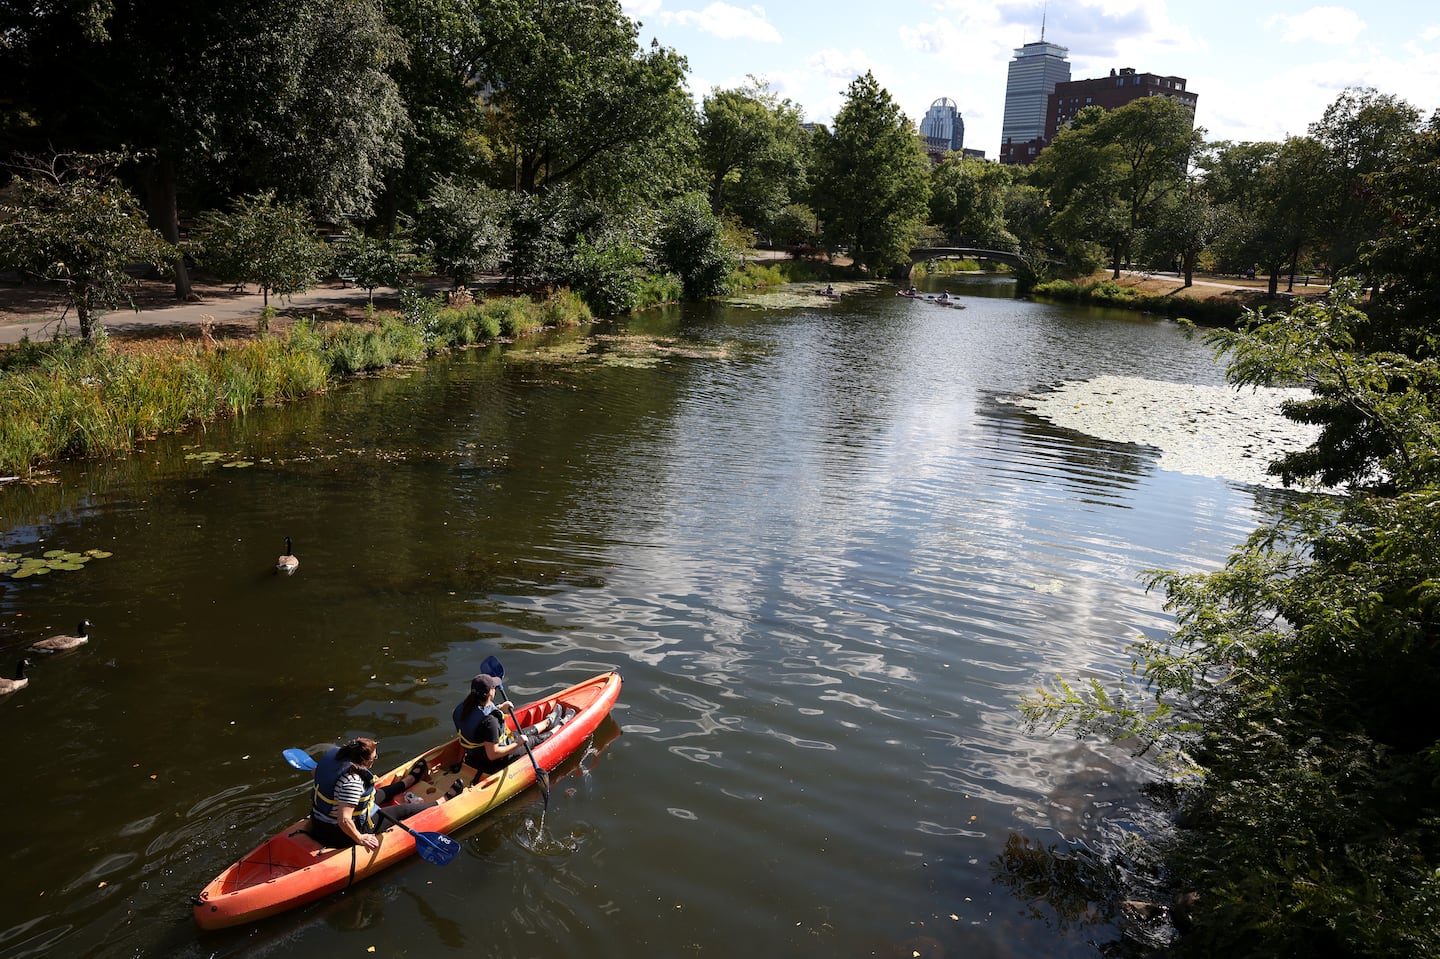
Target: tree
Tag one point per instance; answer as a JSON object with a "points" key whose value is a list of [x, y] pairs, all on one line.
{"points": [[290, 96], [263, 241], [967, 201], [871, 185], [464, 228], [751, 147], [448, 131], [572, 89], [1289, 698], [372, 261], [1110, 173], [70, 223], [691, 245], [1361, 134]]}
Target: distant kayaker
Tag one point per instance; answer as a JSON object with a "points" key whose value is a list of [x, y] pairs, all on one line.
{"points": [[489, 744], [345, 803]]}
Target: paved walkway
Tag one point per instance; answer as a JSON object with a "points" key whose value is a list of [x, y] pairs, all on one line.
{"points": [[28, 315]]}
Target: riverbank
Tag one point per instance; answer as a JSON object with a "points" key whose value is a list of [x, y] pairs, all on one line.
{"points": [[69, 397], [1209, 299]]}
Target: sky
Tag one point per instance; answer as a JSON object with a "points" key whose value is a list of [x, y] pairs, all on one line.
{"points": [[1261, 70]]}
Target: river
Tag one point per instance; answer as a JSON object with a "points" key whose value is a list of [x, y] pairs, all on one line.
{"points": [[827, 543]]}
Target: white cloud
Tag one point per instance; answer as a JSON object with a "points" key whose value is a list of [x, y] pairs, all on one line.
{"points": [[1334, 25], [635, 9], [838, 65], [727, 22]]}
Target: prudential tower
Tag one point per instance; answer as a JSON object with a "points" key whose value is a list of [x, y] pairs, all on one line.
{"points": [[1036, 69]]}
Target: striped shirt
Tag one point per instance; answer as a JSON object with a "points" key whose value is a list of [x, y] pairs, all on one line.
{"points": [[349, 790]]}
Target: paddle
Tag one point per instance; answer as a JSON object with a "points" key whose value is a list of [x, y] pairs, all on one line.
{"points": [[300, 759], [492, 667], [433, 847]]}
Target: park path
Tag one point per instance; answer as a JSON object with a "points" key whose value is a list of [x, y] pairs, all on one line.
{"points": [[24, 314]]}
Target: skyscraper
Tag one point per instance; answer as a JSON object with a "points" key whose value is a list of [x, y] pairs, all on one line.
{"points": [[1036, 69], [942, 127]]}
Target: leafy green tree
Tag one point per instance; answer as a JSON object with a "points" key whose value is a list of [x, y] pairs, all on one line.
{"points": [[794, 226], [1027, 215], [291, 96], [464, 228], [752, 149], [377, 261], [967, 201], [63, 225], [1289, 697], [1109, 174], [263, 241], [1404, 259], [448, 134], [691, 244], [872, 180], [1271, 199], [572, 88], [1184, 226], [607, 273], [1362, 133]]}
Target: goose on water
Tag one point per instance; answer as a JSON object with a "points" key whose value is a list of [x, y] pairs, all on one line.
{"points": [[287, 562], [8, 686], [59, 644]]}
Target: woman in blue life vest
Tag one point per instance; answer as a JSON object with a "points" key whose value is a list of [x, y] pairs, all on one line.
{"points": [[345, 803], [489, 744]]}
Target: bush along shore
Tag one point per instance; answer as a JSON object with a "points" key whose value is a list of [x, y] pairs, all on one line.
{"points": [[80, 398]]}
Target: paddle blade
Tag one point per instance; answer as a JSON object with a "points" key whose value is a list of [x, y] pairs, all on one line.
{"points": [[435, 848], [492, 667], [300, 759]]}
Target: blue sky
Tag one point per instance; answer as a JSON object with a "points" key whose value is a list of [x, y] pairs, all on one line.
{"points": [[1262, 70]]}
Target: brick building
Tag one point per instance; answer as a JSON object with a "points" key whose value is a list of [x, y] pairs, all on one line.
{"points": [[1116, 90]]}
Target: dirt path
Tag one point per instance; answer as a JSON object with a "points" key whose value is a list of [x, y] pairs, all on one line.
{"points": [[40, 313]]}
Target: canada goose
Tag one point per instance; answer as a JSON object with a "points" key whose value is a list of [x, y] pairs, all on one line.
{"points": [[8, 686], [59, 644], [287, 563]]}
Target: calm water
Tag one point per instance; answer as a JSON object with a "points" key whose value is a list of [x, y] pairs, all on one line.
{"points": [[825, 552]]}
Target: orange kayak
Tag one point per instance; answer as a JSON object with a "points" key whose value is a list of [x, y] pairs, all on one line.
{"points": [[291, 868]]}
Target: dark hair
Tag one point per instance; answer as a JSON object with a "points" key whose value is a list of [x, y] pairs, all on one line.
{"points": [[359, 750], [472, 699]]}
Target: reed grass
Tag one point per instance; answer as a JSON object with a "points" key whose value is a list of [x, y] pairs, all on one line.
{"points": [[90, 399]]}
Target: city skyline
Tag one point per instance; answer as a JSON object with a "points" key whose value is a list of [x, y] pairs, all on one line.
{"points": [[1301, 55]]}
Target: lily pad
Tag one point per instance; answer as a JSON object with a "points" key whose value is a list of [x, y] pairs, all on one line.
{"points": [[52, 560]]}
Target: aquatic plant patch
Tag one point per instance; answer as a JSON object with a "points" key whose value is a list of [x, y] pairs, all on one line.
{"points": [[19, 566]]}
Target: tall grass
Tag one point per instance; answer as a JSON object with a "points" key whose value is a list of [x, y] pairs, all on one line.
{"points": [[777, 272], [73, 398]]}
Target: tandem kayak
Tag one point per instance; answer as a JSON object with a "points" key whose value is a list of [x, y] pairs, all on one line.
{"points": [[290, 868]]}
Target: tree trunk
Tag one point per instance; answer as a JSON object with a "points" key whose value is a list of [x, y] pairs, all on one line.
{"points": [[164, 215], [1115, 275], [1188, 260], [82, 310]]}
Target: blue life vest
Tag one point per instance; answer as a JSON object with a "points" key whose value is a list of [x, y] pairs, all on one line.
{"points": [[322, 800]]}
